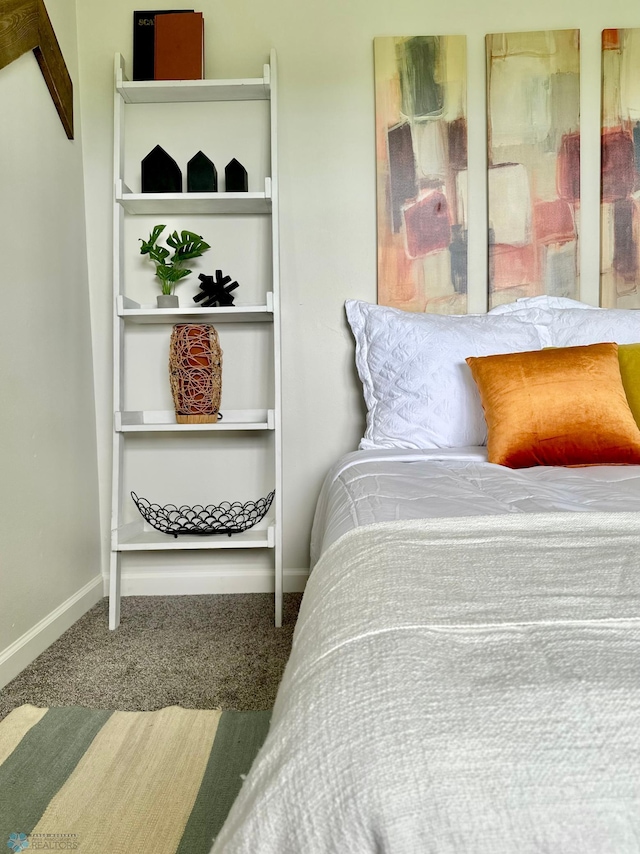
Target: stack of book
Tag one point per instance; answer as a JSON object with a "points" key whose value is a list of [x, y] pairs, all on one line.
{"points": [[168, 45]]}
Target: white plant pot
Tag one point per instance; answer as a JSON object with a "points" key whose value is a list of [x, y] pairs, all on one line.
{"points": [[168, 301]]}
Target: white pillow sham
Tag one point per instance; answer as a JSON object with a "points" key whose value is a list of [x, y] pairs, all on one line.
{"points": [[575, 328], [418, 389], [562, 322], [540, 302]]}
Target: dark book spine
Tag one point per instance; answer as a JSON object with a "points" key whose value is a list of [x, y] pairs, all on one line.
{"points": [[144, 41]]}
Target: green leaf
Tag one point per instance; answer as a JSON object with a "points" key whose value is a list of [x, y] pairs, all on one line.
{"points": [[191, 249], [164, 271], [173, 240], [149, 246], [187, 245], [177, 274], [157, 231]]}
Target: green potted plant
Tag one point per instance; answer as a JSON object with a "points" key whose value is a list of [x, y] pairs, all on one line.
{"points": [[170, 269]]}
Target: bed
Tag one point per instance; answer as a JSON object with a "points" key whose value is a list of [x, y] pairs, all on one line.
{"points": [[465, 672]]}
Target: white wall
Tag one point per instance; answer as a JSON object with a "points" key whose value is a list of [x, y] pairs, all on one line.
{"points": [[327, 190], [49, 524]]}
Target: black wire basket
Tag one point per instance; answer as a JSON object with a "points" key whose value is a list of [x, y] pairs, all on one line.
{"points": [[226, 518]]}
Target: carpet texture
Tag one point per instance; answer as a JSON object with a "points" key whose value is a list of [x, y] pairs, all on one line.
{"points": [[104, 781], [198, 652]]}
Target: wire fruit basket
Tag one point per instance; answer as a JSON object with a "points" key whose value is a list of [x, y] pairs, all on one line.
{"points": [[225, 518]]}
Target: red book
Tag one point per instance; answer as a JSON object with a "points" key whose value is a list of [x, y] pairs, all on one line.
{"points": [[179, 46]]}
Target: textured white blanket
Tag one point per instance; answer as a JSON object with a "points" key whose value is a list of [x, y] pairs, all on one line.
{"points": [[458, 686]]}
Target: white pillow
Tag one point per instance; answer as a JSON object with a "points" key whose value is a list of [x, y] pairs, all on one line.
{"points": [[574, 328], [418, 388], [543, 311], [561, 322], [542, 302]]}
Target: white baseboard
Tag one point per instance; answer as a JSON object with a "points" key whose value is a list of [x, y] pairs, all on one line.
{"points": [[190, 583], [23, 651], [295, 580]]}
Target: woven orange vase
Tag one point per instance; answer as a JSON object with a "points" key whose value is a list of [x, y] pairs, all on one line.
{"points": [[195, 370]]}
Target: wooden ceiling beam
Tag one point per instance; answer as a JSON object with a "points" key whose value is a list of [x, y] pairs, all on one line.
{"points": [[24, 26]]}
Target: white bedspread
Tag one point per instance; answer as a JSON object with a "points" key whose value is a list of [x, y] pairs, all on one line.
{"points": [[386, 485], [458, 689]]}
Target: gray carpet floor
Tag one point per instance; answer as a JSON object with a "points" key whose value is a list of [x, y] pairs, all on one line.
{"points": [[199, 652]]}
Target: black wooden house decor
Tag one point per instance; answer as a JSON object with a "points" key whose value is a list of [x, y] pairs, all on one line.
{"points": [[202, 175], [235, 177], [160, 173]]}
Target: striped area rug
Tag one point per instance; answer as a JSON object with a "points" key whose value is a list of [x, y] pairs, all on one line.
{"points": [[103, 782]]}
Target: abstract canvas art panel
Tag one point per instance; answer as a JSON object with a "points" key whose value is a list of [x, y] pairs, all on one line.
{"points": [[421, 163], [620, 170], [533, 127]]}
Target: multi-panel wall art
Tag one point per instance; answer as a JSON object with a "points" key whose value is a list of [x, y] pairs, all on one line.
{"points": [[533, 189], [533, 111], [421, 153], [620, 166]]}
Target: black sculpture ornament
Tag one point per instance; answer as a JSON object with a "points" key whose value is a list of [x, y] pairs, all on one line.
{"points": [[160, 173], [215, 292], [202, 175], [235, 177]]}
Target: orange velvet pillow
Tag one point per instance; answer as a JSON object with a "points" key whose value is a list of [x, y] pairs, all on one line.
{"points": [[556, 407]]}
